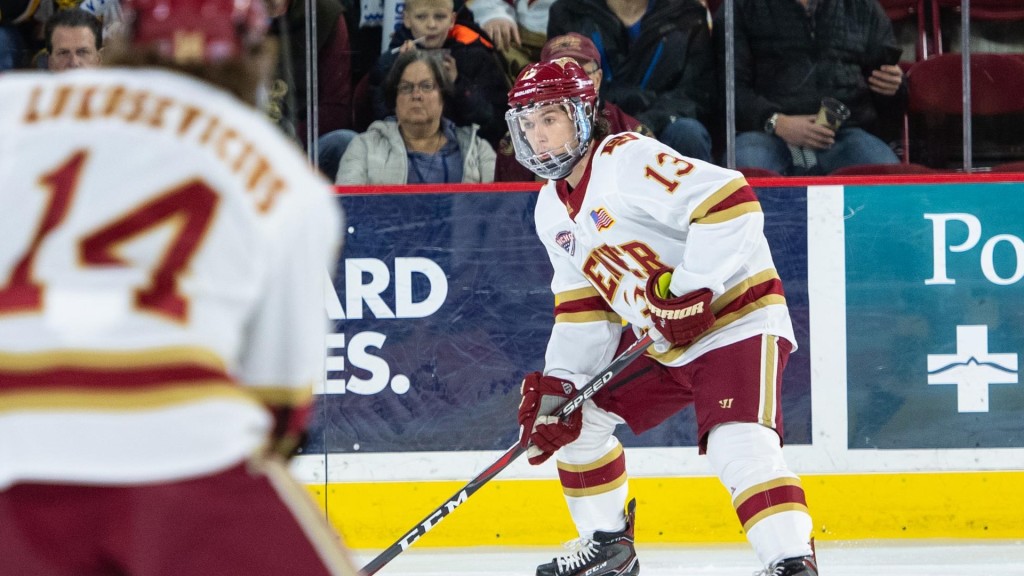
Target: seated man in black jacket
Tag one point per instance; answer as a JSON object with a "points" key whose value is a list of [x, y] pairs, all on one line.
{"points": [[792, 54], [657, 61]]}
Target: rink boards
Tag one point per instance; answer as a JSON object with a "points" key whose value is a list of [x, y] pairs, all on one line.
{"points": [[903, 405]]}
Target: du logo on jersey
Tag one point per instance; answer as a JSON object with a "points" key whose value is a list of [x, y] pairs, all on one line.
{"points": [[602, 219], [972, 369]]}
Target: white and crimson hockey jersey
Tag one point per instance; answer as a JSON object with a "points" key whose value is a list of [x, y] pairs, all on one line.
{"points": [[641, 207], [162, 266]]}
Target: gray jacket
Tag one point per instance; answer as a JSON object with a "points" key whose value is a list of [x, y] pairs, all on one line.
{"points": [[378, 156]]}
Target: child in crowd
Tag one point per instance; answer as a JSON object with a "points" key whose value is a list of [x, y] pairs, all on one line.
{"points": [[470, 60], [518, 28]]}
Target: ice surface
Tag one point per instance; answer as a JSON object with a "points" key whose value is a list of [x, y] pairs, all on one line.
{"points": [[854, 558]]}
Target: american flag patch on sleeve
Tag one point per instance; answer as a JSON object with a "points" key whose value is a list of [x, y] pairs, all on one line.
{"points": [[601, 219]]}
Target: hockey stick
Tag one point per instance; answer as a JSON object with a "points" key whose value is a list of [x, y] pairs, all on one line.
{"points": [[441, 512]]}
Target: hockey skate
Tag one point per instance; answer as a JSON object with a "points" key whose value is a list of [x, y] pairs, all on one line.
{"points": [[607, 554], [800, 566]]}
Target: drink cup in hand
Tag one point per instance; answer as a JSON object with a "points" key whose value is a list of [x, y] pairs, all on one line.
{"points": [[832, 114]]}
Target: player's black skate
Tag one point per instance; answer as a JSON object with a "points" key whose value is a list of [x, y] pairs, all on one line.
{"points": [[607, 554], [800, 566]]}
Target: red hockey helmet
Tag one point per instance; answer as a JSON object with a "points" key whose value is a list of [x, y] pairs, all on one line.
{"points": [[196, 31], [558, 82]]}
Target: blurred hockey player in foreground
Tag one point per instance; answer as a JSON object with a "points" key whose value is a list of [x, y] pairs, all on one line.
{"points": [[161, 310], [673, 246]]}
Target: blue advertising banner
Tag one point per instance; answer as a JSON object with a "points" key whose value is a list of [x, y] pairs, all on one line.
{"points": [[934, 315], [443, 303]]}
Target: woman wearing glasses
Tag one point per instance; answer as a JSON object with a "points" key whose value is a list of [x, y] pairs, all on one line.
{"points": [[417, 145]]}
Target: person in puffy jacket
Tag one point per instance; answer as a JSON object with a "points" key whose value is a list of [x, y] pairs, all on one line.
{"points": [[418, 145]]}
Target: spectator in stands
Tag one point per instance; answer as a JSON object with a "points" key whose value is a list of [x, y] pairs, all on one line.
{"points": [[792, 54], [418, 145], [334, 86], [17, 19], [583, 51], [109, 12], [470, 61], [657, 59], [73, 40], [473, 66], [517, 27], [12, 46]]}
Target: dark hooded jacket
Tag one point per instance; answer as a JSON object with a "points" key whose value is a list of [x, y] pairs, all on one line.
{"points": [[667, 72], [787, 60]]}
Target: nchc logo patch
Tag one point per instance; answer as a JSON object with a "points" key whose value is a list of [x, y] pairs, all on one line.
{"points": [[601, 219], [567, 241]]}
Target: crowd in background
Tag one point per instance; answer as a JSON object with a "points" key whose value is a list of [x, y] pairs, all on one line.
{"points": [[821, 86]]}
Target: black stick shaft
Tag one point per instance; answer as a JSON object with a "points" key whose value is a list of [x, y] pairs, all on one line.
{"points": [[441, 512]]}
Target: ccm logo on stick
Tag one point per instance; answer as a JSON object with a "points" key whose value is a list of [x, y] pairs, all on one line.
{"points": [[438, 515]]}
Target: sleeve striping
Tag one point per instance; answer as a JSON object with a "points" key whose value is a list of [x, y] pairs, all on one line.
{"points": [[592, 316], [577, 294], [281, 395], [722, 195], [757, 286], [589, 304], [719, 216]]}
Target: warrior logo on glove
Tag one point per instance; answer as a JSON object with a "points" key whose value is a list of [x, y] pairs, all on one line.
{"points": [[679, 320]]}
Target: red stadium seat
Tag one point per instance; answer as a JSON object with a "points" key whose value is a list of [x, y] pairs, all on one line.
{"points": [[997, 84], [989, 9], [935, 107], [999, 24], [1009, 167], [925, 14]]}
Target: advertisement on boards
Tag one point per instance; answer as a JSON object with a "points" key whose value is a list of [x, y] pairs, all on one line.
{"points": [[933, 293], [441, 303]]}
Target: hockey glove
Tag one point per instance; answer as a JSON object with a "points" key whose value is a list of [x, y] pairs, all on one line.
{"points": [[541, 432], [681, 320]]}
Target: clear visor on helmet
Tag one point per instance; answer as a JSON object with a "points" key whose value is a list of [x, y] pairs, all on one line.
{"points": [[551, 137]]}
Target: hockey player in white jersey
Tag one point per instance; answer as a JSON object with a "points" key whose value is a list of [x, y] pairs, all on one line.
{"points": [[162, 268], [675, 247]]}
